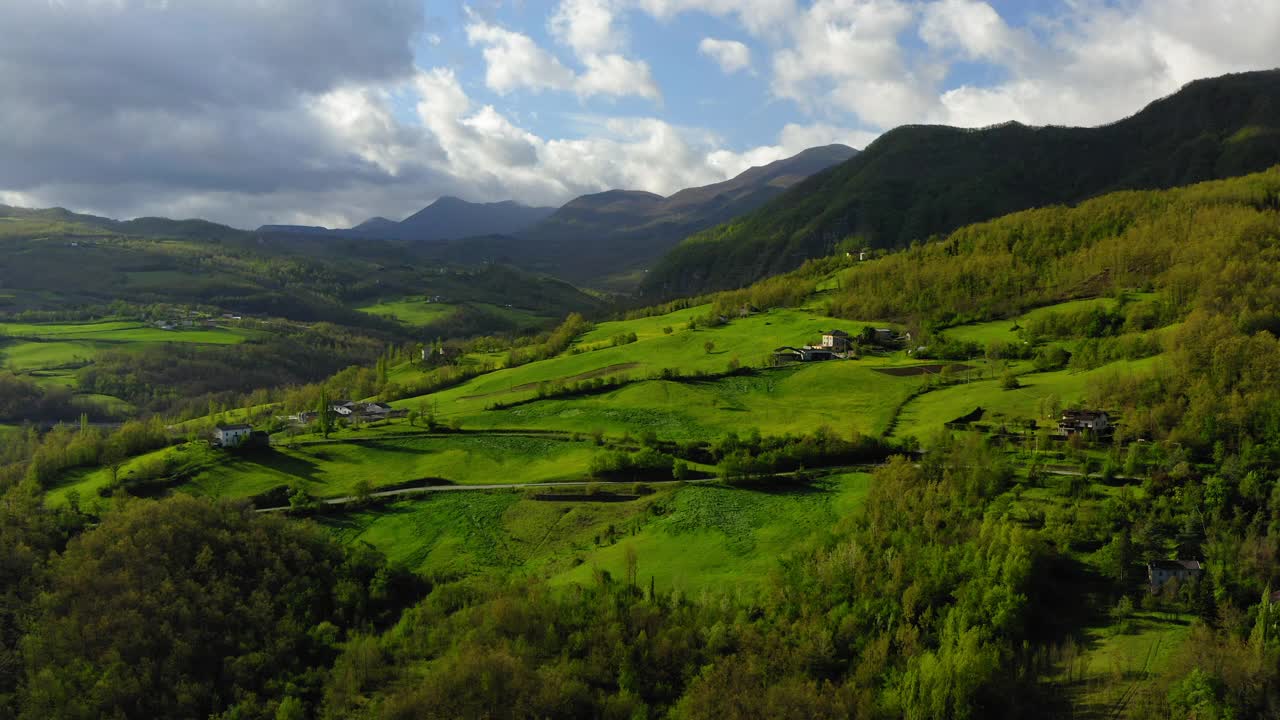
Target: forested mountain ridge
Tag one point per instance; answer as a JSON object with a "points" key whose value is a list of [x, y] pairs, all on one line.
{"points": [[621, 231], [918, 181]]}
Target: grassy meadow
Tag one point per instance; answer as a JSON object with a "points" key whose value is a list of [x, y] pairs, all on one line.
{"points": [[411, 311], [689, 538]]}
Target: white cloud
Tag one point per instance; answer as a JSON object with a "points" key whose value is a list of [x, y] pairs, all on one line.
{"points": [[1097, 63], [760, 17], [587, 27], [972, 27], [730, 55], [793, 139], [845, 55], [514, 61], [615, 75]]}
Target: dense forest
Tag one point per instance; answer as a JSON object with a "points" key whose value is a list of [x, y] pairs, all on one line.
{"points": [[916, 182]]}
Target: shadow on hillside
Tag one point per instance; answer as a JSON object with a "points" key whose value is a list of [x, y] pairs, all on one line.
{"points": [[286, 464], [782, 486], [390, 447]]}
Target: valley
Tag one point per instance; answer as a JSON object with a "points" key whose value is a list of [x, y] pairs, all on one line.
{"points": [[1020, 459]]}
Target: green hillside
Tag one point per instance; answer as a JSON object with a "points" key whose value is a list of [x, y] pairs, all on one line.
{"points": [[675, 515], [916, 182]]}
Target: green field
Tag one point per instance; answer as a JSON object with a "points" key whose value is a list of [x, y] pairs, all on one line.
{"points": [[26, 346], [1102, 673], [692, 538], [717, 537], [841, 395], [1003, 330], [749, 341], [925, 415], [335, 469], [411, 311], [50, 353]]}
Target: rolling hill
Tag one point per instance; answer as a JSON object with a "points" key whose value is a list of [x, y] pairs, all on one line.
{"points": [[915, 182]]}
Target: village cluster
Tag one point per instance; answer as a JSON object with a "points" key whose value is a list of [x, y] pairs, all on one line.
{"points": [[240, 435]]}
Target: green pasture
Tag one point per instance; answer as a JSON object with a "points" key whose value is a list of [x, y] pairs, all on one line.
{"points": [[466, 533], [1002, 330], [123, 331], [31, 355], [691, 538], [797, 399], [646, 328], [335, 469], [518, 316], [50, 350], [411, 311], [926, 414], [1109, 666], [749, 340], [718, 537]]}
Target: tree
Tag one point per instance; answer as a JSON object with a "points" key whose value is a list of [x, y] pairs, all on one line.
{"points": [[363, 491], [708, 346], [322, 412], [191, 607], [1009, 381]]}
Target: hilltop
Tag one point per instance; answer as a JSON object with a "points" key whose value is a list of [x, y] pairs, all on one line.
{"points": [[916, 182]]}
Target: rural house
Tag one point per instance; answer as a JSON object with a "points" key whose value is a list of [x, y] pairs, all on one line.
{"points": [[1076, 421], [836, 340], [1160, 572], [231, 436]]}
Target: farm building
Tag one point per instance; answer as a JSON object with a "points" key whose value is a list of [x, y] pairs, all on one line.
{"points": [[1076, 421], [807, 353], [1160, 572], [836, 340], [230, 436]]}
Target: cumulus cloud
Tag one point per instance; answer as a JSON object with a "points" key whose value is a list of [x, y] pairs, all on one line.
{"points": [[514, 61], [760, 17], [730, 55], [587, 26]]}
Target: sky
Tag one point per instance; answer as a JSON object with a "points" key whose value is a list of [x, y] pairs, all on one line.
{"points": [[328, 112]]}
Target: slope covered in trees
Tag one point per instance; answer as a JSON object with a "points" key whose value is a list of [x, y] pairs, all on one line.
{"points": [[917, 181]]}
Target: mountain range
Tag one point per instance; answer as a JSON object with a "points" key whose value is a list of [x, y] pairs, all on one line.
{"points": [[915, 182], [448, 218], [608, 233]]}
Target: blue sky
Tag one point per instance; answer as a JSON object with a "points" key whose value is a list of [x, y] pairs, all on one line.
{"points": [[331, 111]]}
